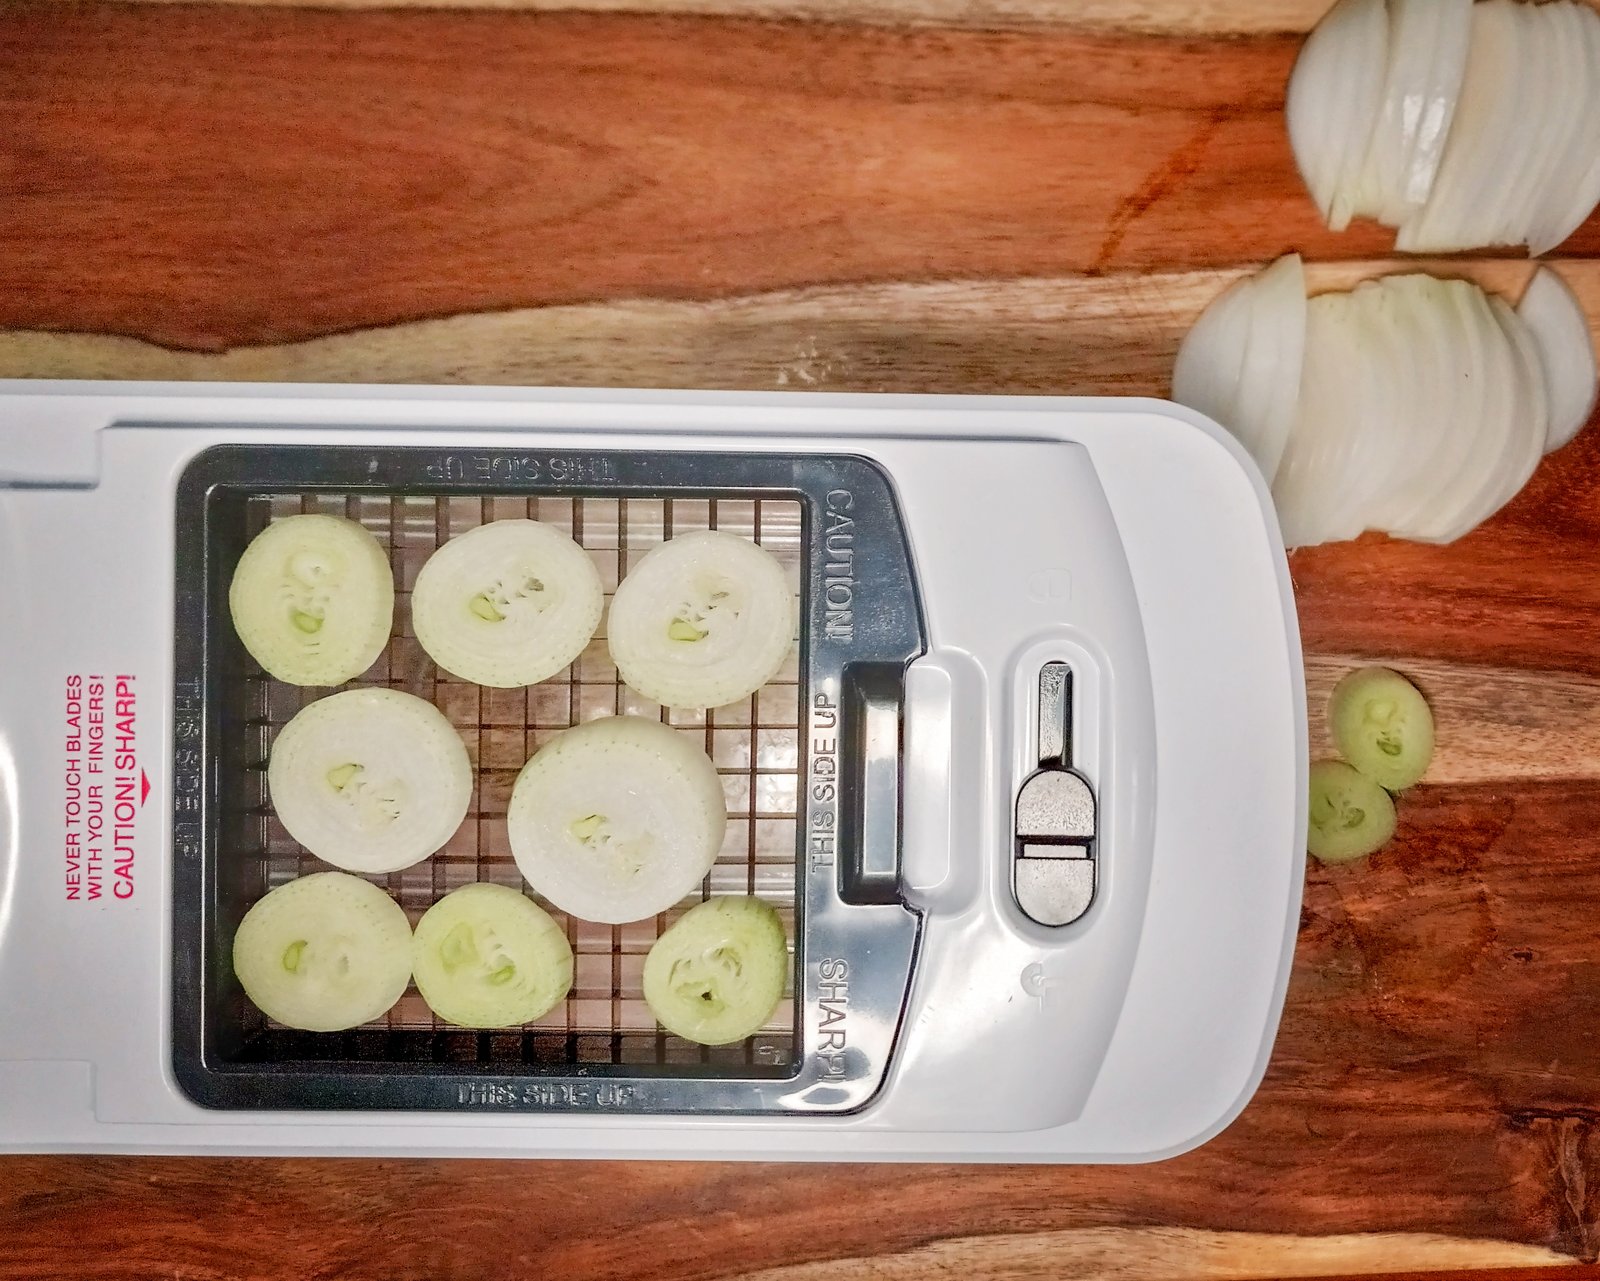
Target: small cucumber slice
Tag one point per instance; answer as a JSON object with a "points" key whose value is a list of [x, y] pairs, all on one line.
{"points": [[1382, 726], [617, 819], [1350, 816], [703, 620], [370, 780], [507, 604], [324, 953], [487, 956], [312, 599], [718, 973]]}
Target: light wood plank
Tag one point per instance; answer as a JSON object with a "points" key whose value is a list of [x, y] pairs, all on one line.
{"points": [[1171, 1254], [1492, 723], [1101, 335]]}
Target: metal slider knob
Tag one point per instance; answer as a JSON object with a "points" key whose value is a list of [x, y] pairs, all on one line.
{"points": [[1054, 833]]}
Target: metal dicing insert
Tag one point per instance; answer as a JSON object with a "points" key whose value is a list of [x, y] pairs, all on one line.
{"points": [[809, 764], [1055, 819]]}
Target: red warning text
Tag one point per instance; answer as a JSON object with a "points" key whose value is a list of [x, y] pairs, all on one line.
{"points": [[103, 787]]}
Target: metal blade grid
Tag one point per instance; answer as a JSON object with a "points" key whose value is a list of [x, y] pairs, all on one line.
{"points": [[755, 745]]}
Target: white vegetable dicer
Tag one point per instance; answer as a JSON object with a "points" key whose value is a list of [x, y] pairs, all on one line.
{"points": [[1029, 796]]}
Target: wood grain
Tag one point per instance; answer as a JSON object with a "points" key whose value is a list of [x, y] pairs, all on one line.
{"points": [[1210, 18], [1202, 17], [1111, 334], [355, 176], [1492, 723], [1179, 1254], [896, 199]]}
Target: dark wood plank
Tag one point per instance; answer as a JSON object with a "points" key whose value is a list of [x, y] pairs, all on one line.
{"points": [[209, 177], [1210, 18]]}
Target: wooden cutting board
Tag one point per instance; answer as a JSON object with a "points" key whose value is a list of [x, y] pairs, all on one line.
{"points": [[927, 195]]}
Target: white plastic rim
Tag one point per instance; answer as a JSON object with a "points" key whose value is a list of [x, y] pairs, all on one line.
{"points": [[370, 780], [703, 620], [617, 819], [507, 604], [1560, 332], [324, 953], [488, 956], [312, 599]]}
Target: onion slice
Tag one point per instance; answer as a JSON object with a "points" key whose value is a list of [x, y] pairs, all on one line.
{"points": [[1568, 204], [1437, 499], [1240, 364], [1472, 495], [1555, 66], [1385, 399], [1333, 99], [1310, 484], [1560, 334], [1423, 340], [1269, 384], [1468, 193], [1210, 360], [1428, 42], [1530, 418]]}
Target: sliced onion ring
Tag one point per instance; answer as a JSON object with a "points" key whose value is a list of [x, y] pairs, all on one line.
{"points": [[1566, 354]]}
